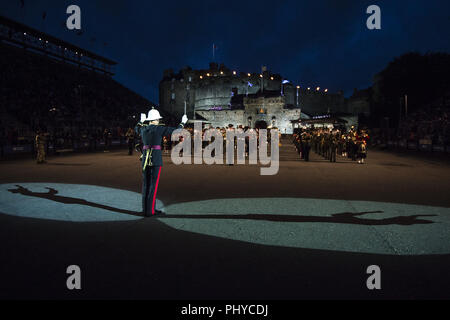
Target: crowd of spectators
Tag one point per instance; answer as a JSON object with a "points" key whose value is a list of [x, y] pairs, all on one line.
{"points": [[433, 125], [430, 126], [69, 102]]}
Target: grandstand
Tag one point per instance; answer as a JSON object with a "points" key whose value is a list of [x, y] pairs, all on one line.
{"points": [[30, 39], [53, 85]]}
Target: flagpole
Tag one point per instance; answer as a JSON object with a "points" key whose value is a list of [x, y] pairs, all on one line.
{"points": [[22, 10], [406, 105]]}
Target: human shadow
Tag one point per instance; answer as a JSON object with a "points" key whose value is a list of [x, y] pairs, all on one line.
{"points": [[52, 195], [344, 217], [69, 164]]}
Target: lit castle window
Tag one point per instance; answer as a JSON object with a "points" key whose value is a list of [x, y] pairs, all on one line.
{"points": [[261, 111]]}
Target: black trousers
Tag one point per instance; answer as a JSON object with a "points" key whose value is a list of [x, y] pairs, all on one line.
{"points": [[130, 147], [149, 189], [306, 152], [332, 154]]}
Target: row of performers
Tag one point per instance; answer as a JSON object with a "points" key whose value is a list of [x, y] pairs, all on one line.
{"points": [[329, 143]]}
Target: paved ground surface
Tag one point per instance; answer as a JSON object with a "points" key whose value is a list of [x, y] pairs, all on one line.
{"points": [[308, 232]]}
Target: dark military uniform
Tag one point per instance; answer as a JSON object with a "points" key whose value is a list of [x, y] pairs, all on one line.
{"points": [[40, 147], [151, 162], [306, 141], [106, 139], [333, 148], [362, 151], [130, 140]]}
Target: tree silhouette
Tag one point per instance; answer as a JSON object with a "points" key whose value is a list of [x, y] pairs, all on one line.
{"points": [[423, 77]]}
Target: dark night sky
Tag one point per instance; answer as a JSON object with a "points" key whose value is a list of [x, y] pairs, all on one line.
{"points": [[312, 43]]}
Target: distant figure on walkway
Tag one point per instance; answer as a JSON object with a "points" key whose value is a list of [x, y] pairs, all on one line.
{"points": [[40, 146], [130, 140], [362, 151]]}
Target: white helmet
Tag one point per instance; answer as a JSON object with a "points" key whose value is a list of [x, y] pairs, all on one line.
{"points": [[153, 115]]}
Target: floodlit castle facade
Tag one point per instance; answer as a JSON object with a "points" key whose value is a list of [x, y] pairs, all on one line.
{"points": [[221, 96]]}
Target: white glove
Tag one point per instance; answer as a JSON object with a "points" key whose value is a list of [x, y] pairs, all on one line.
{"points": [[184, 119], [143, 117]]}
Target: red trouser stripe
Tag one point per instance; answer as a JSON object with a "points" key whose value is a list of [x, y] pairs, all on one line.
{"points": [[156, 189]]}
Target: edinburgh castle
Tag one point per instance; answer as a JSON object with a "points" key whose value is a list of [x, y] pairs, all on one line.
{"points": [[222, 96]]}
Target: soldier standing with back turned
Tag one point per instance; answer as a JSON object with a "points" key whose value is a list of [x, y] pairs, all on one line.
{"points": [[130, 140], [306, 141], [152, 133], [333, 147], [40, 146]]}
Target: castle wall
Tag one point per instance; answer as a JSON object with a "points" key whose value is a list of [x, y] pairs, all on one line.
{"points": [[224, 118], [213, 87], [268, 109]]}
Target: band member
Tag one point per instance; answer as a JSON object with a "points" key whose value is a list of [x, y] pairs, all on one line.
{"points": [[40, 146], [151, 133], [362, 151], [333, 143], [106, 139], [166, 144], [306, 145], [130, 140]]}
